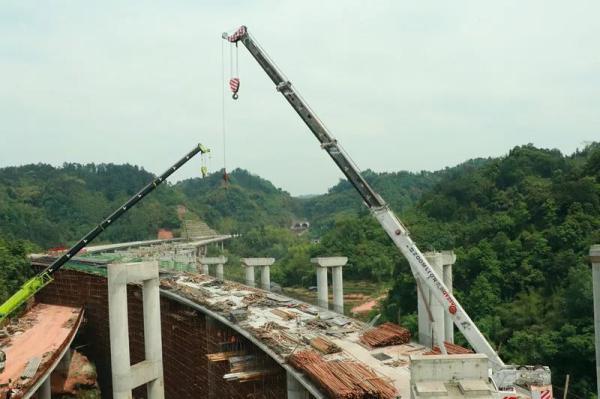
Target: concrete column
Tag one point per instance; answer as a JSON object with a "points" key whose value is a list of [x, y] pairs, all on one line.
{"points": [[149, 372], [250, 276], [265, 271], [432, 331], [424, 324], [153, 335], [119, 331], [322, 289], [338, 289], [335, 263], [65, 362], [45, 390], [595, 259], [219, 261], [295, 390], [210, 327], [449, 258], [265, 278]]}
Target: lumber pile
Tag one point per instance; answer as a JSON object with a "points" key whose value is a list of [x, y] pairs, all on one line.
{"points": [[275, 338], [324, 345], [452, 349], [342, 379], [246, 368], [251, 375], [222, 356], [242, 363], [385, 335], [284, 314]]}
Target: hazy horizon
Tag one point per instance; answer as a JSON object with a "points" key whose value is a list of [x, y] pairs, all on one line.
{"points": [[174, 179], [401, 85]]}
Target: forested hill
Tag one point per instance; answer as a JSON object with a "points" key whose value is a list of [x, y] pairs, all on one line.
{"points": [[244, 202], [401, 190], [52, 206], [521, 226]]}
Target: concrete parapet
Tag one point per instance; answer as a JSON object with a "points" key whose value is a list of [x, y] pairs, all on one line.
{"points": [[448, 367], [452, 376]]}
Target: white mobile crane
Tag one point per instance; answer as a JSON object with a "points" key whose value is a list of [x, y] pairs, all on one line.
{"points": [[506, 377]]}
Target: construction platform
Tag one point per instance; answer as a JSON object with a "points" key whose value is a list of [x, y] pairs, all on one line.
{"points": [[288, 328], [34, 346]]}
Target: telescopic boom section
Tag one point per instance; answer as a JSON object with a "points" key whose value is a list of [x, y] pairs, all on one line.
{"points": [[328, 143], [420, 267], [122, 209], [45, 277]]}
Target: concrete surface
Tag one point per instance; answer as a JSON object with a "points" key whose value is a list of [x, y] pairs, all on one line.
{"points": [[125, 376]]}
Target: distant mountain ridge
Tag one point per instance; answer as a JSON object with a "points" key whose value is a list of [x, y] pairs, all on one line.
{"points": [[55, 205]]}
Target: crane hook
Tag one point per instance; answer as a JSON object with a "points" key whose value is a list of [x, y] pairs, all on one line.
{"points": [[234, 85]]}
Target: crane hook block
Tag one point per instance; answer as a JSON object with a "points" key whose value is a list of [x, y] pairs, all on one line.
{"points": [[234, 85], [238, 35]]}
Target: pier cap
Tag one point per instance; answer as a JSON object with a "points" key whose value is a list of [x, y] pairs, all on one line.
{"points": [[330, 261]]}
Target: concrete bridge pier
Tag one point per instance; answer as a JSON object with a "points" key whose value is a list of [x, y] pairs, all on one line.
{"points": [[295, 390], [45, 390], [249, 275], [335, 263], [219, 261], [435, 323], [449, 258], [265, 271], [149, 372]]}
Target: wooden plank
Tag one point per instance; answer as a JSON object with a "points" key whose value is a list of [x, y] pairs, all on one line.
{"points": [[32, 367]]}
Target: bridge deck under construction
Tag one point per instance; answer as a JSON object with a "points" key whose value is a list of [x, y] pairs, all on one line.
{"points": [[34, 345], [289, 327]]}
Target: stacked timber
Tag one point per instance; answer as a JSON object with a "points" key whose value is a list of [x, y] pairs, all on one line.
{"points": [[451, 349], [324, 345], [250, 375], [222, 356], [246, 368], [342, 379], [284, 314], [385, 335]]}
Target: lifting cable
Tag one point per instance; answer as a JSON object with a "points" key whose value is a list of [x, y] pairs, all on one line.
{"points": [[234, 86], [225, 176]]}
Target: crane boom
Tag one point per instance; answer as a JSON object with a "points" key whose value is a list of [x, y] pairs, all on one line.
{"points": [[399, 234], [35, 284]]}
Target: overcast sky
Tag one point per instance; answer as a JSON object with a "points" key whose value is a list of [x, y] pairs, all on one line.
{"points": [[403, 85]]}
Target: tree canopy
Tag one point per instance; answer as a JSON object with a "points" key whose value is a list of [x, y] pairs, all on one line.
{"points": [[521, 226]]}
